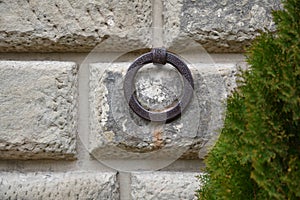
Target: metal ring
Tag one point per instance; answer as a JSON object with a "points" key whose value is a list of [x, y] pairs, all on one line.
{"points": [[162, 58]]}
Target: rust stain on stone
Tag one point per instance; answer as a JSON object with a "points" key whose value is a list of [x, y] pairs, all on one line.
{"points": [[157, 138]]}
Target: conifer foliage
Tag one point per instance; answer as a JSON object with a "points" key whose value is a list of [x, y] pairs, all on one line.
{"points": [[258, 153]]}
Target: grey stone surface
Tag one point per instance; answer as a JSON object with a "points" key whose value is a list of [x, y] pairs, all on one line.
{"points": [[118, 133], [74, 25], [38, 110], [220, 26], [69, 185], [164, 185]]}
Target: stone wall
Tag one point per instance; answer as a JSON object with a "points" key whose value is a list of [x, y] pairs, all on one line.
{"points": [[66, 130]]}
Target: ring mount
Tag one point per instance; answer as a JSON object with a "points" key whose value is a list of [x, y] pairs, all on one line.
{"points": [[158, 56]]}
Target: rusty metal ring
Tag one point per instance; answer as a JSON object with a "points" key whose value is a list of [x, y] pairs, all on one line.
{"points": [[158, 56]]}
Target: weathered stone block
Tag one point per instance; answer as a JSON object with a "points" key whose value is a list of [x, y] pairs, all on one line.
{"points": [[164, 185], [117, 132], [219, 26], [38, 109], [74, 26], [70, 185]]}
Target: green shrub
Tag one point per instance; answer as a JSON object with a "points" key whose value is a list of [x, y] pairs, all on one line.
{"points": [[258, 153]]}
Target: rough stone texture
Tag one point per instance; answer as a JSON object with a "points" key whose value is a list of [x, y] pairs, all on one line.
{"points": [[70, 185], [117, 132], [74, 25], [38, 110], [164, 185], [220, 26]]}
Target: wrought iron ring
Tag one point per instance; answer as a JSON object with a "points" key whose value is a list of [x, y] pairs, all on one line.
{"points": [[158, 56]]}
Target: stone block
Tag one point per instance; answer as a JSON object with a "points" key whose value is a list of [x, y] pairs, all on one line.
{"points": [[116, 132], [74, 26], [50, 185], [219, 26], [164, 185], [38, 109]]}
